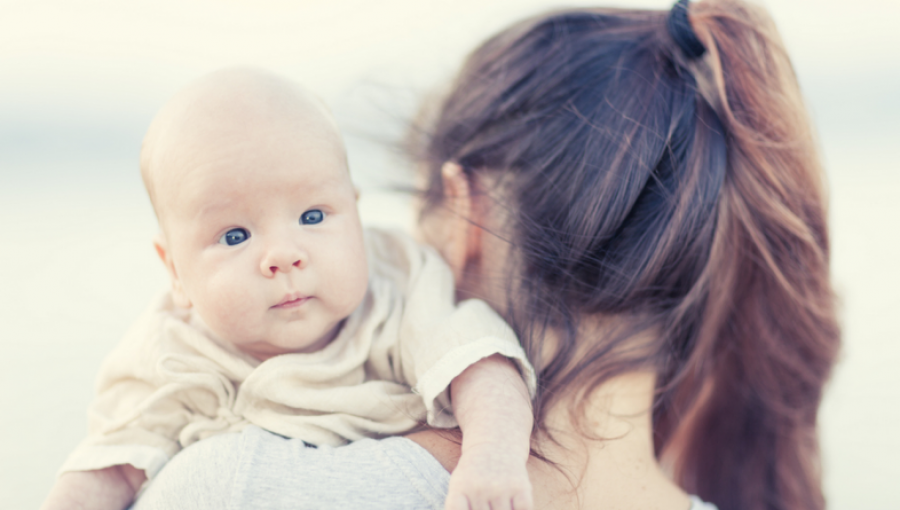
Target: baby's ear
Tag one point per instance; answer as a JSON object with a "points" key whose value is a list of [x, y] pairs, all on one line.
{"points": [[179, 296]]}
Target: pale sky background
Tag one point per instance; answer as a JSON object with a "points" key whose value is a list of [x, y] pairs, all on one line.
{"points": [[80, 80]]}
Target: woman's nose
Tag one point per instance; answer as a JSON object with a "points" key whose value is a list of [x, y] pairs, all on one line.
{"points": [[282, 258]]}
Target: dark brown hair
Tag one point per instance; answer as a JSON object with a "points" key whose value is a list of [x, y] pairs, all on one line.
{"points": [[684, 197]]}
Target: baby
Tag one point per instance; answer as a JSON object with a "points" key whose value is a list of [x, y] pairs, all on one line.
{"points": [[285, 314]]}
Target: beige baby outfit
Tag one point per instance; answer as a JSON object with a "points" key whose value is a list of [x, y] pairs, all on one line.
{"points": [[169, 383]]}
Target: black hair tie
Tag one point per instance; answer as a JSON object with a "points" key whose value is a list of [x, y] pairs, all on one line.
{"points": [[680, 29]]}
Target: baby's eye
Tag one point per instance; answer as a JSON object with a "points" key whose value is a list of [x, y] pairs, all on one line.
{"points": [[234, 236], [311, 217]]}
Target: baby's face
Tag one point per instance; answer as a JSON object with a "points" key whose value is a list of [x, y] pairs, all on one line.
{"points": [[264, 237]]}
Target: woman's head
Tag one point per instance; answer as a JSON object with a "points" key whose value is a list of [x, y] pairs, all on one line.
{"points": [[589, 124], [677, 196]]}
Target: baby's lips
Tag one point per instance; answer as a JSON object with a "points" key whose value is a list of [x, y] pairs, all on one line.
{"points": [[291, 300]]}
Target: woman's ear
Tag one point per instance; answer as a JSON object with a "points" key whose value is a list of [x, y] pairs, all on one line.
{"points": [[462, 243], [179, 296]]}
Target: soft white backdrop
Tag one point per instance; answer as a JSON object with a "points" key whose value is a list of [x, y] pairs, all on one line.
{"points": [[80, 80]]}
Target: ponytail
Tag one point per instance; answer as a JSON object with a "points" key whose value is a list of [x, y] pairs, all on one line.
{"points": [[739, 423]]}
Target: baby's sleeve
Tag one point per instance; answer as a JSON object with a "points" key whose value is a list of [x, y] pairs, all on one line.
{"points": [[471, 333], [438, 338], [147, 397], [116, 433], [115, 438]]}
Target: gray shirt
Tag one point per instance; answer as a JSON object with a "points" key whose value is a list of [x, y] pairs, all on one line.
{"points": [[255, 469]]}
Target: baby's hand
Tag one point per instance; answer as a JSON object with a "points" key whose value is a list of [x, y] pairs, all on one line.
{"points": [[111, 488], [487, 478]]}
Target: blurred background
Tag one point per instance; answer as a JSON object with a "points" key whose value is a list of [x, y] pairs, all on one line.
{"points": [[80, 81]]}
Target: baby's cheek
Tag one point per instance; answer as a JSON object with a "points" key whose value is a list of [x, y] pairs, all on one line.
{"points": [[353, 280], [349, 298], [230, 314]]}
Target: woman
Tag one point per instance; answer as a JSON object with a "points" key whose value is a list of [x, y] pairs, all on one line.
{"points": [[638, 192]]}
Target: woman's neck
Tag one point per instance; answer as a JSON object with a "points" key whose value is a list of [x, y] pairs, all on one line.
{"points": [[606, 460]]}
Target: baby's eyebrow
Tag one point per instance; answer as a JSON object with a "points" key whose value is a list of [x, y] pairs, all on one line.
{"points": [[215, 208]]}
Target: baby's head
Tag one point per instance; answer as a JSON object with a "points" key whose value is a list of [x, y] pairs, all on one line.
{"points": [[258, 222]]}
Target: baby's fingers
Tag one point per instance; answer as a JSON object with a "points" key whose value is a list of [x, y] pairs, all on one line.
{"points": [[518, 502], [519, 498], [463, 502], [488, 498], [523, 500], [456, 501]]}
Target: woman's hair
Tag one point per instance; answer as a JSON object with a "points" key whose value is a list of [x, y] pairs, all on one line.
{"points": [[684, 197]]}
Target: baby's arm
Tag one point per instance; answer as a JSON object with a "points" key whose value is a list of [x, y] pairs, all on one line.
{"points": [[492, 406], [111, 488]]}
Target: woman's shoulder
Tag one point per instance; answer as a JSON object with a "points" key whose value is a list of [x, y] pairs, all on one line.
{"points": [[699, 504], [444, 448], [258, 469], [429, 456]]}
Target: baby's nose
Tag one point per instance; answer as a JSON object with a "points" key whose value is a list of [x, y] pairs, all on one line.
{"points": [[282, 259]]}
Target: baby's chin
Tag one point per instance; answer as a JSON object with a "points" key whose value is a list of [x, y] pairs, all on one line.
{"points": [[264, 350]]}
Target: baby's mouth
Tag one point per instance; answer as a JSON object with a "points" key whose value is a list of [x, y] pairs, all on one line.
{"points": [[291, 301]]}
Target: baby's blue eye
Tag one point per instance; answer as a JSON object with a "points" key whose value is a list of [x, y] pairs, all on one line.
{"points": [[311, 217], [234, 236]]}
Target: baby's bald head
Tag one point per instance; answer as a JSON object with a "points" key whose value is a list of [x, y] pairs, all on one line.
{"points": [[249, 180], [225, 108]]}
